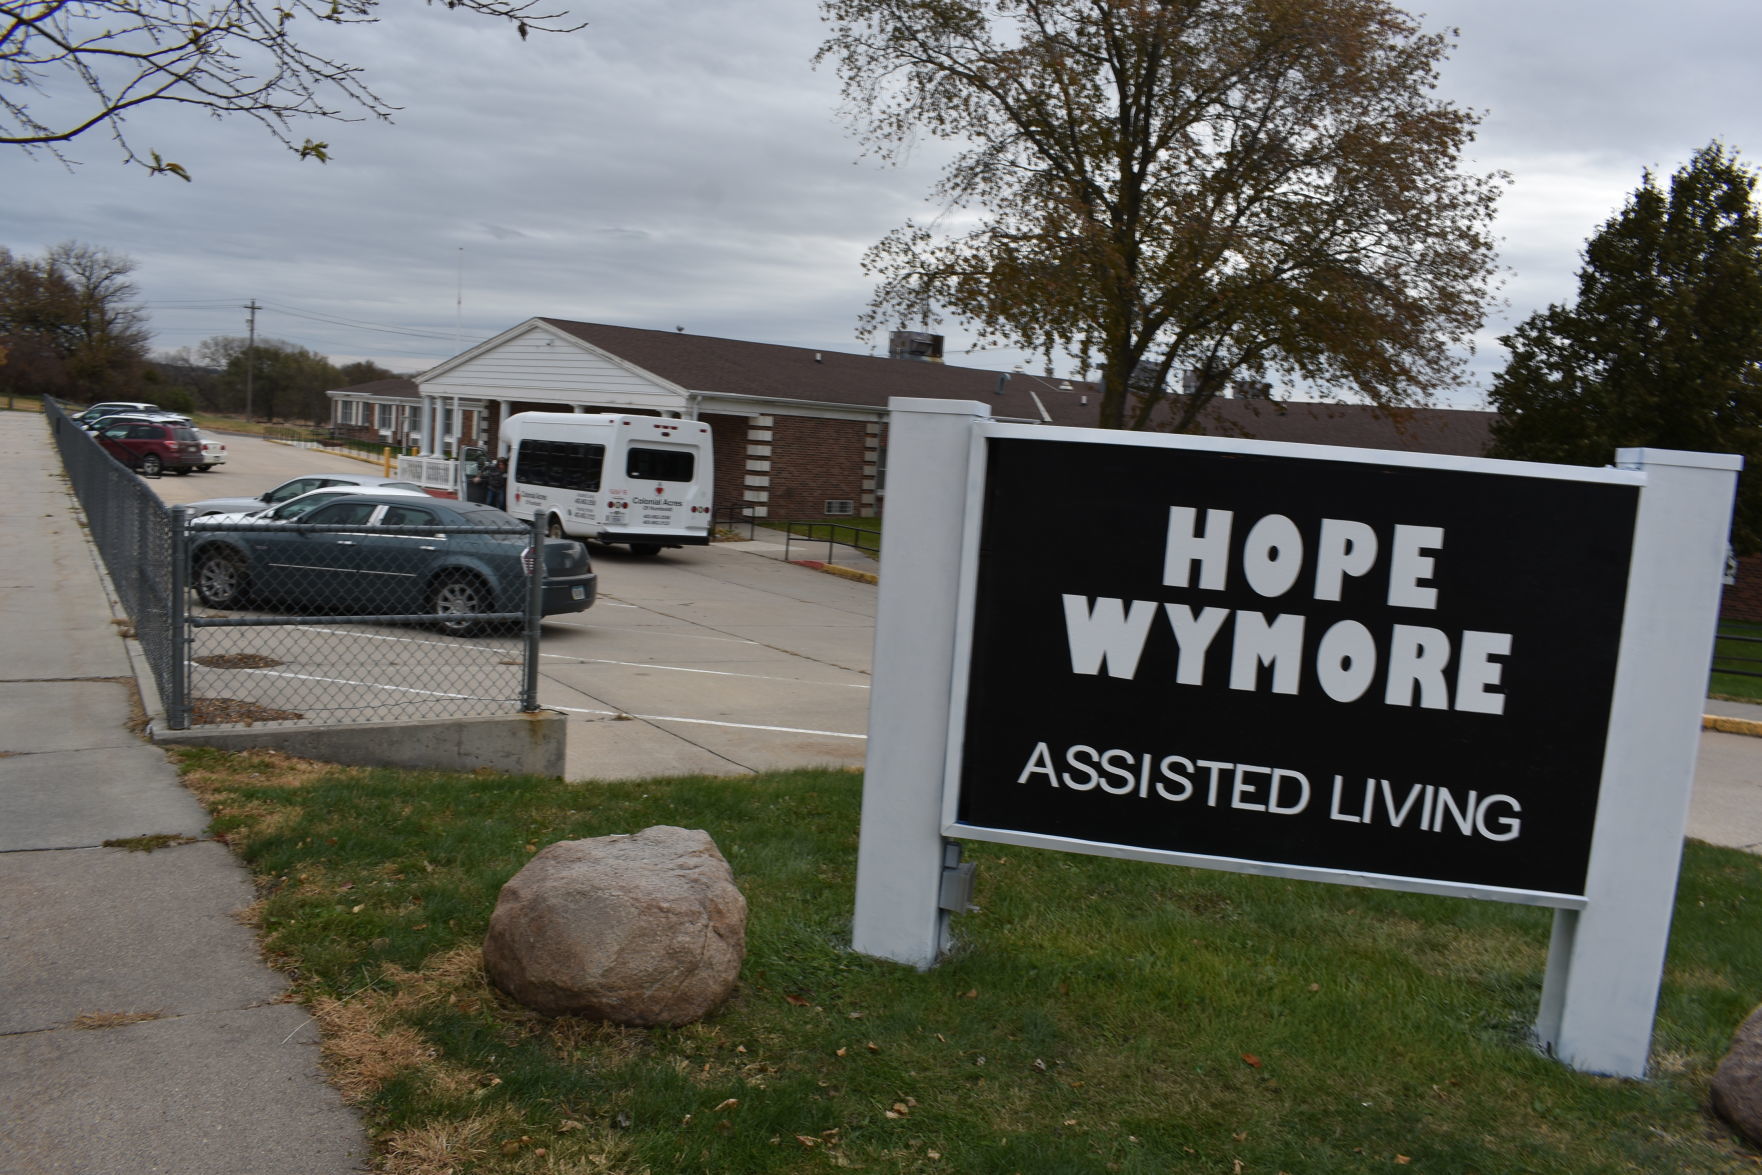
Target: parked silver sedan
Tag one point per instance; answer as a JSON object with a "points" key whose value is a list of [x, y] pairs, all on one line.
{"points": [[294, 487]]}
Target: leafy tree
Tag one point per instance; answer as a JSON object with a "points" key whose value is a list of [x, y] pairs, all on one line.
{"points": [[69, 323], [1663, 346], [72, 66], [286, 381], [1219, 189], [362, 371]]}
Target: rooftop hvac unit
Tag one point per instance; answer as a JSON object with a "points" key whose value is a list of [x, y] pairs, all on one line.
{"points": [[915, 344]]}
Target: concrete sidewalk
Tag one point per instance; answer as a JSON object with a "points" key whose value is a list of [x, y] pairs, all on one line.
{"points": [[224, 1076]]}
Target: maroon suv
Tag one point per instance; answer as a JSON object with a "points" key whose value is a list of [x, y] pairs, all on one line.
{"points": [[152, 447]]}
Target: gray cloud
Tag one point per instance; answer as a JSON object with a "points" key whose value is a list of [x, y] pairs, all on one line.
{"points": [[677, 162]]}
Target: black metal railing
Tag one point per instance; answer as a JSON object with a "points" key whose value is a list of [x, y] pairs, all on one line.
{"points": [[836, 534], [1734, 663]]}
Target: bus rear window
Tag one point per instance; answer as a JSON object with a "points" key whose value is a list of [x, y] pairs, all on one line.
{"points": [[562, 465], [660, 464]]}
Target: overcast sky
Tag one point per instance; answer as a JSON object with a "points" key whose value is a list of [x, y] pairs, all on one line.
{"points": [[679, 163]]}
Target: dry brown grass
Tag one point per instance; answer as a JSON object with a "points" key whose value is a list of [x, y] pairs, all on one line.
{"points": [[366, 1043], [363, 1049]]}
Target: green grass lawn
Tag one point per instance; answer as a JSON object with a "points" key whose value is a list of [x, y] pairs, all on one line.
{"points": [[1732, 653], [1099, 1015]]}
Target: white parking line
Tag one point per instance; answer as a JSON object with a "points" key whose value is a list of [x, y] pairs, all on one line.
{"points": [[589, 660], [565, 709], [706, 722], [401, 689], [711, 672]]}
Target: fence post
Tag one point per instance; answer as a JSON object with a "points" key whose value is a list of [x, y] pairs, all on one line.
{"points": [[177, 617], [534, 611]]}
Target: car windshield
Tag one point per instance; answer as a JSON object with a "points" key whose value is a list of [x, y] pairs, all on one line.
{"points": [[288, 511]]}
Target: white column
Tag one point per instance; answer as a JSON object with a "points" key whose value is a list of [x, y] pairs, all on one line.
{"points": [[899, 854], [1605, 962]]}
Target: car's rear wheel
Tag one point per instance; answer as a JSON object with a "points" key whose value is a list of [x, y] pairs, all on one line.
{"points": [[645, 550], [183, 472], [458, 595], [220, 579], [151, 465]]}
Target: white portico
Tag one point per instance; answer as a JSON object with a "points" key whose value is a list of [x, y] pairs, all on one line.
{"points": [[534, 366]]}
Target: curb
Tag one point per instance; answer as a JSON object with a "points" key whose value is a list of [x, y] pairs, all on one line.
{"points": [[853, 573], [1720, 722]]}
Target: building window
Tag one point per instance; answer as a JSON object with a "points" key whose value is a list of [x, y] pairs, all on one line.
{"points": [[840, 506]]}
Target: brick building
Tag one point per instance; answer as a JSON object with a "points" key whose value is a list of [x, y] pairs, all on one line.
{"points": [[799, 434]]}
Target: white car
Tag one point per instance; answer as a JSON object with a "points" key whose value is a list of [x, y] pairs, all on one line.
{"points": [[361, 483], [213, 452], [294, 508]]}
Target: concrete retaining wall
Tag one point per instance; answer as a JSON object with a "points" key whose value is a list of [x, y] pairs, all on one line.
{"points": [[513, 744]]}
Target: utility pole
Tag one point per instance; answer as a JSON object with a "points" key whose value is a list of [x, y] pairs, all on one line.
{"points": [[250, 354]]}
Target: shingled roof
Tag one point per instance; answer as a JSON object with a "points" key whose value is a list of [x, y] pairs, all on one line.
{"points": [[701, 363], [767, 371], [730, 366]]}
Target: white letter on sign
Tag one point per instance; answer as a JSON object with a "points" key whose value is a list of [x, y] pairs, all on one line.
{"points": [[1211, 549], [1107, 634]]}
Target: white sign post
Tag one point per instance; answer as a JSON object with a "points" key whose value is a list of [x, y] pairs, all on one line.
{"points": [[1606, 960], [1438, 674], [900, 856]]}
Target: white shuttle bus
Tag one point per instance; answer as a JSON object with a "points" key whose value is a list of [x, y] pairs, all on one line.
{"points": [[648, 481]]}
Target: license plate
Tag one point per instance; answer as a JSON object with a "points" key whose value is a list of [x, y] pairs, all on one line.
{"points": [[578, 593]]}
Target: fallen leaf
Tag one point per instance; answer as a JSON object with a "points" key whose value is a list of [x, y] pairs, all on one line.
{"points": [[901, 1109], [1039, 1066], [1403, 1160], [727, 1105], [806, 1141], [1251, 1060], [798, 1001], [567, 1125], [841, 1052], [971, 995], [873, 1047]]}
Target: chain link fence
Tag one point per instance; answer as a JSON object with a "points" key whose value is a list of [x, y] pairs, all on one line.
{"points": [[132, 531], [398, 607]]}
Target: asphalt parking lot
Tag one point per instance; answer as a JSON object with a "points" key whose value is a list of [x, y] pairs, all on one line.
{"points": [[705, 660]]}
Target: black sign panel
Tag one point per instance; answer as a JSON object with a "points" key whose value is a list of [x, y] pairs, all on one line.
{"points": [[1341, 665]]}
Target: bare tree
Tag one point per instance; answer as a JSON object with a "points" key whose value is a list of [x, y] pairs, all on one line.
{"points": [[1222, 189], [72, 66], [70, 322]]}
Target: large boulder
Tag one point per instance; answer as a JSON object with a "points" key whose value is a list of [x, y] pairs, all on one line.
{"points": [[640, 929], [1737, 1082]]}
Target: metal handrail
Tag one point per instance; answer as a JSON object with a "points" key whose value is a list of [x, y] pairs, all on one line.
{"points": [[871, 548]]}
